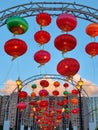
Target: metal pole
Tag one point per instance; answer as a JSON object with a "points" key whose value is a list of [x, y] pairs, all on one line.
{"points": [[80, 111]]}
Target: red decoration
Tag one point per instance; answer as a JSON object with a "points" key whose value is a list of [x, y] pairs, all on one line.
{"points": [[32, 103], [66, 22], [74, 101], [74, 92], [43, 103], [66, 85], [44, 83], [33, 94], [65, 101], [92, 49], [22, 95], [15, 47], [55, 92], [67, 116], [43, 19], [65, 42], [92, 29], [75, 111], [21, 106], [42, 37], [42, 57], [56, 84], [68, 67], [43, 93], [59, 103]]}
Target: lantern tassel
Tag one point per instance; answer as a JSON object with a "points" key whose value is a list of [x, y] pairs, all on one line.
{"points": [[14, 57]]}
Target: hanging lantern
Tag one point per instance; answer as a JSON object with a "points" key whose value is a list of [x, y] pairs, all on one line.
{"points": [[92, 30], [33, 86], [92, 49], [32, 103], [74, 92], [74, 101], [59, 103], [15, 47], [55, 92], [75, 111], [42, 57], [65, 42], [22, 94], [21, 106], [58, 110], [66, 22], [33, 94], [42, 37], [43, 19], [65, 93], [65, 85], [56, 84], [17, 25], [43, 103], [43, 93], [67, 116], [44, 83], [65, 101], [68, 67]]}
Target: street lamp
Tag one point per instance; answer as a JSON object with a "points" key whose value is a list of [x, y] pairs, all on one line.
{"points": [[79, 87]]}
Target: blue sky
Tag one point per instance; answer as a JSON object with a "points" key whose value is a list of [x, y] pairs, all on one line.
{"points": [[25, 66]]}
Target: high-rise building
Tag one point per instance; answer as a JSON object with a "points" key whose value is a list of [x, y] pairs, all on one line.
{"points": [[8, 108]]}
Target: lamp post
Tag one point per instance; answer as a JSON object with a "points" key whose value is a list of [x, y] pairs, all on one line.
{"points": [[79, 87], [19, 86]]}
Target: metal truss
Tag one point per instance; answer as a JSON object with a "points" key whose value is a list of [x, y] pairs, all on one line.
{"points": [[53, 8]]}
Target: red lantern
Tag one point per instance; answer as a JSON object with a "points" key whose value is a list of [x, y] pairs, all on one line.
{"points": [[33, 94], [68, 67], [65, 42], [74, 101], [15, 47], [32, 103], [66, 85], [42, 37], [92, 49], [75, 111], [22, 95], [59, 103], [92, 29], [43, 103], [43, 19], [55, 92], [56, 84], [59, 110], [74, 92], [66, 22], [67, 116], [65, 101], [42, 57], [43, 93], [21, 106], [44, 83]]}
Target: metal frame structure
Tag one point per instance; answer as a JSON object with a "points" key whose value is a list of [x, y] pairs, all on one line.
{"points": [[54, 9]]}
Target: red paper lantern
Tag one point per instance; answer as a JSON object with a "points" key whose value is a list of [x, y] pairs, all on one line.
{"points": [[43, 93], [92, 49], [42, 37], [65, 101], [67, 116], [75, 111], [43, 103], [66, 22], [65, 42], [55, 92], [33, 94], [59, 103], [32, 103], [42, 57], [59, 110], [66, 85], [43, 19], [21, 106], [56, 84], [74, 101], [74, 92], [44, 83], [68, 67], [22, 94], [92, 29], [15, 47]]}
